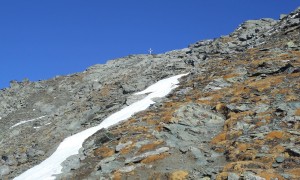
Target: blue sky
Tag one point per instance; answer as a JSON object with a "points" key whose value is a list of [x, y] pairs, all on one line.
{"points": [[42, 39]]}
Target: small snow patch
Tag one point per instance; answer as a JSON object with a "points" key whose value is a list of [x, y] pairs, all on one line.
{"points": [[23, 122]]}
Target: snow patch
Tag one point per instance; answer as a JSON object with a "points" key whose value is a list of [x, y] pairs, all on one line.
{"points": [[71, 145], [23, 122]]}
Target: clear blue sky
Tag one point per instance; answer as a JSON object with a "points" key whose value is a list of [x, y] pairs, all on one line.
{"points": [[43, 38]]}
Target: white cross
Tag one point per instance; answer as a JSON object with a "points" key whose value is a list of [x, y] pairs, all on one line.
{"points": [[150, 51]]}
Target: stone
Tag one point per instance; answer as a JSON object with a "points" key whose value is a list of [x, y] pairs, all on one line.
{"points": [[199, 156], [121, 146], [71, 163], [239, 108], [279, 159], [10, 160], [286, 176], [291, 44], [127, 169], [294, 151], [21, 158], [282, 16], [144, 155], [233, 176], [134, 98], [110, 166], [205, 178], [261, 108], [4, 170], [216, 84], [251, 176], [31, 152]]}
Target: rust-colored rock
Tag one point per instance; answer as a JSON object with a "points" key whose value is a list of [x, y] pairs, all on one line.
{"points": [[104, 152], [178, 175]]}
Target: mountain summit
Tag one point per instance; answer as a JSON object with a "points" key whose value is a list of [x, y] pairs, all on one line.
{"points": [[226, 108]]}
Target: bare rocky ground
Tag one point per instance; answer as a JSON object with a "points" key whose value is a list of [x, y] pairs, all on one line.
{"points": [[235, 116]]}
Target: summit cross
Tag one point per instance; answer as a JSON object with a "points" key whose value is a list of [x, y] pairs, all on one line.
{"points": [[150, 51]]}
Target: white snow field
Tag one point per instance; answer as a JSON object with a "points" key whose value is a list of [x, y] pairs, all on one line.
{"points": [[71, 145]]}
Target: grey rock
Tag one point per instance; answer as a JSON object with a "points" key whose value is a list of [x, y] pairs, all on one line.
{"points": [[139, 144], [119, 147], [184, 149], [282, 16], [261, 108], [71, 163], [110, 166], [31, 152], [193, 114], [106, 160], [4, 170], [279, 159], [294, 151], [74, 125], [128, 88], [233, 176], [286, 176], [239, 108], [185, 136], [134, 98], [45, 108], [242, 126], [127, 169], [10, 160], [251, 176], [216, 84], [144, 155], [199, 156], [21, 158]]}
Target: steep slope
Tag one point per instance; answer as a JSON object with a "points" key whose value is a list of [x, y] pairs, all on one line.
{"points": [[235, 116], [55, 109]]}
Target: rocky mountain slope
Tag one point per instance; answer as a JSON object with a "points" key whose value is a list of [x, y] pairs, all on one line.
{"points": [[236, 115]]}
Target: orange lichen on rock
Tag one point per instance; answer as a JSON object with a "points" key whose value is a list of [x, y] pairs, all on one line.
{"points": [[234, 117], [243, 147], [297, 112], [117, 175], [152, 122], [167, 116], [267, 83], [228, 76], [127, 149], [219, 138], [222, 176], [241, 166], [156, 157], [291, 97], [151, 146], [104, 152], [295, 172], [269, 175], [277, 149], [275, 135], [221, 108], [240, 89], [139, 129], [178, 175]]}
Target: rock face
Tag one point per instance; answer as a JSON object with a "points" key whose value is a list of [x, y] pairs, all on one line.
{"points": [[235, 116]]}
